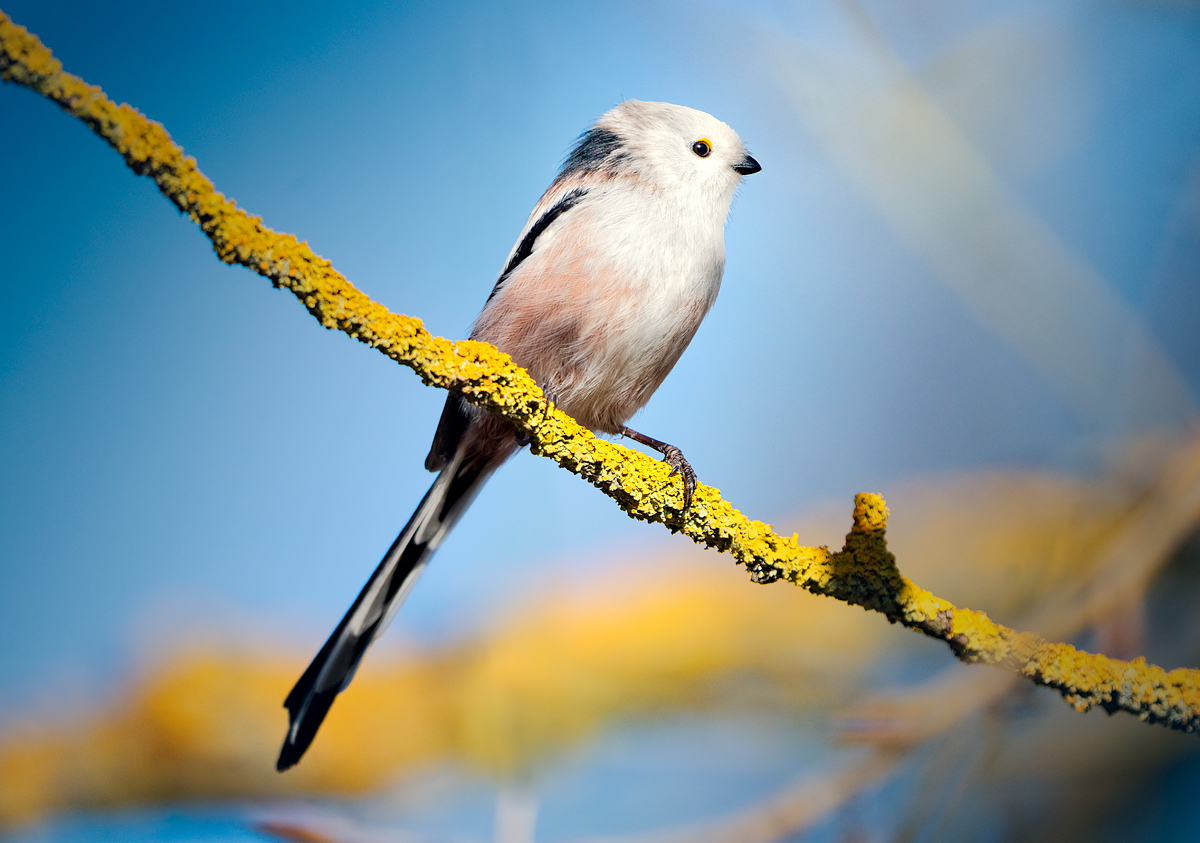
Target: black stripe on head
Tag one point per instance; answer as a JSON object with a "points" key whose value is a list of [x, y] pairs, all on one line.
{"points": [[597, 148], [525, 249]]}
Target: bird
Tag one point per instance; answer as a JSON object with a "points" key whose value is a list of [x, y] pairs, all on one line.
{"points": [[616, 267]]}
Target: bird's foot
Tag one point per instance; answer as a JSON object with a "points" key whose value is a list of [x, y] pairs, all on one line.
{"points": [[673, 457]]}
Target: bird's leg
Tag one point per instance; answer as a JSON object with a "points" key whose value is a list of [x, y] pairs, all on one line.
{"points": [[673, 457]]}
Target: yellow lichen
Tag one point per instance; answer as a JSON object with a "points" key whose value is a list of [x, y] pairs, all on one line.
{"points": [[863, 573]]}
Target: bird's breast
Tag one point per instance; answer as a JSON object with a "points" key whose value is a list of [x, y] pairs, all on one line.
{"points": [[607, 302]]}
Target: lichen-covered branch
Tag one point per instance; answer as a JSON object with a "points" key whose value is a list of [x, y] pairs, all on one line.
{"points": [[863, 573]]}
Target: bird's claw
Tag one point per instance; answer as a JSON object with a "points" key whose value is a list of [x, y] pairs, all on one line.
{"points": [[673, 457]]}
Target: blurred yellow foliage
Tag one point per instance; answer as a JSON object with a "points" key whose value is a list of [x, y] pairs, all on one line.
{"points": [[206, 724], [641, 638]]}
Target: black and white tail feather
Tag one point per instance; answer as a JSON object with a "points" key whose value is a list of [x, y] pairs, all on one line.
{"points": [[378, 602]]}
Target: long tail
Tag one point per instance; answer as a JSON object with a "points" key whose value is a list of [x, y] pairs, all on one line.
{"points": [[380, 599]]}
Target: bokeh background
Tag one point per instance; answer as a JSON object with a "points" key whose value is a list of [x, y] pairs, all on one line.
{"points": [[967, 278]]}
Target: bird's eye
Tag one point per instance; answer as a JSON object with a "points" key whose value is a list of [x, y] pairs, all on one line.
{"points": [[702, 147]]}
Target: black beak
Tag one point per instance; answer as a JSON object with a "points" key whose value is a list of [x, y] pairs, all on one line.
{"points": [[747, 166]]}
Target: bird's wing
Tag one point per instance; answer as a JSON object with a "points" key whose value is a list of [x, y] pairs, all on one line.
{"points": [[560, 198]]}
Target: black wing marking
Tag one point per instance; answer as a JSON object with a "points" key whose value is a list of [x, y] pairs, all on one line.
{"points": [[525, 249], [597, 149]]}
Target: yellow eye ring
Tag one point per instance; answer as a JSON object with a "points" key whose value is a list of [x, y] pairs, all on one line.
{"points": [[702, 147]]}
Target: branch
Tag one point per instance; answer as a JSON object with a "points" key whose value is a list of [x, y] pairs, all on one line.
{"points": [[863, 573]]}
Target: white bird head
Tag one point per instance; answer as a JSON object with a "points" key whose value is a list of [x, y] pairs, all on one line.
{"points": [[669, 146]]}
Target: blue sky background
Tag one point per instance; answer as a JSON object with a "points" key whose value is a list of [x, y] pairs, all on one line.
{"points": [[186, 452]]}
